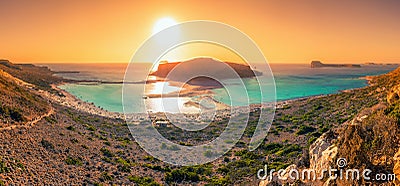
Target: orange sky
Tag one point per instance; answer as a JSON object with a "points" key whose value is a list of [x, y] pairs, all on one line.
{"points": [[286, 31]]}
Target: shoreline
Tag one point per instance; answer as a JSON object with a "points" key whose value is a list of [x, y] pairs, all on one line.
{"points": [[72, 101], [67, 99]]}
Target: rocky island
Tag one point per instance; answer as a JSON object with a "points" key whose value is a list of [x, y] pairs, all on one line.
{"points": [[183, 71], [319, 64]]}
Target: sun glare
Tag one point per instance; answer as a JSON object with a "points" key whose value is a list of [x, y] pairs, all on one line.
{"points": [[163, 23]]}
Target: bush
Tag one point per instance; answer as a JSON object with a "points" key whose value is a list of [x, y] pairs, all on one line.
{"points": [[46, 144], [271, 147], [177, 176], [304, 129], [71, 128], [218, 181], [144, 181], [91, 128], [51, 120], [106, 177], [3, 167], [73, 161], [17, 116], [107, 152]]}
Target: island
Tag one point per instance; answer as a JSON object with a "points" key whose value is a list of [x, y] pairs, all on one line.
{"points": [[182, 71], [319, 64]]}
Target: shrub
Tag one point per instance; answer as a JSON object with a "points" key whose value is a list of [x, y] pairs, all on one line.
{"points": [[3, 167], [144, 181], [107, 152], [71, 128], [51, 120], [73, 161], [17, 116], [74, 140], [106, 177], [177, 176], [46, 144], [91, 128], [304, 129]]}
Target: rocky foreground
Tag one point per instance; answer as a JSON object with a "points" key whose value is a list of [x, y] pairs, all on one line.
{"points": [[370, 140]]}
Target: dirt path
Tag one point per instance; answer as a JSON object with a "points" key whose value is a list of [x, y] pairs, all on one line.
{"points": [[31, 123]]}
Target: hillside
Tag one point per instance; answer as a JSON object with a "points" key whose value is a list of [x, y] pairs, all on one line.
{"points": [[17, 104], [42, 77], [369, 140]]}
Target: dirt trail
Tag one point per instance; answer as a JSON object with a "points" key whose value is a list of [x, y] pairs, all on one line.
{"points": [[31, 123]]}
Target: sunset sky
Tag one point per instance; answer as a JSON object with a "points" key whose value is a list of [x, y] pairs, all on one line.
{"points": [[286, 31]]}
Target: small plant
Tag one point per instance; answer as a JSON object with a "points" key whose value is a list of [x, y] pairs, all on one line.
{"points": [[74, 140], [3, 167], [180, 175], [107, 177], [107, 152], [71, 128], [145, 181], [51, 120], [46, 144], [305, 129], [73, 161], [91, 128]]}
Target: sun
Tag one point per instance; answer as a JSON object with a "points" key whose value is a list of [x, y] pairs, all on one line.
{"points": [[163, 23]]}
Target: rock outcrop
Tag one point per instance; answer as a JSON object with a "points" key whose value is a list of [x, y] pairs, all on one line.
{"points": [[393, 95], [323, 152]]}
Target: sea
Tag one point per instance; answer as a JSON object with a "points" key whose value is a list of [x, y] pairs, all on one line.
{"points": [[291, 81]]}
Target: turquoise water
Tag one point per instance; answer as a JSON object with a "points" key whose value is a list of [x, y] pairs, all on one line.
{"points": [[292, 81]]}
